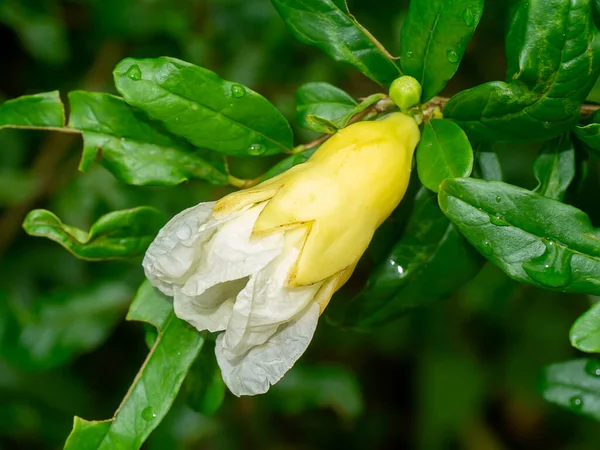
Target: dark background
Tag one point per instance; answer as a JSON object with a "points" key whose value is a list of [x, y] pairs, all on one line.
{"points": [[461, 374]]}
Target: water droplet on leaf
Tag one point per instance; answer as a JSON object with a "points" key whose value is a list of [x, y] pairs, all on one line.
{"points": [[134, 73], [487, 247], [195, 107], [397, 267], [148, 414], [498, 221], [256, 149], [498, 199], [592, 367], [468, 17], [452, 56], [552, 268], [237, 90], [576, 402], [409, 54]]}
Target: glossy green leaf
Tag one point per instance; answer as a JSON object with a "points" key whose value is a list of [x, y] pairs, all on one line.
{"points": [[198, 105], [553, 63], [328, 25], [321, 100], [156, 385], [574, 385], [554, 167], [133, 148], [532, 238], [204, 384], [585, 332], [64, 324], [589, 134], [434, 36], [118, 234], [430, 249], [43, 110], [444, 151], [487, 164], [308, 387], [289, 162]]}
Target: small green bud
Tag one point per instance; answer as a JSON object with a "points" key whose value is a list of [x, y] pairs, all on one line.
{"points": [[405, 92]]}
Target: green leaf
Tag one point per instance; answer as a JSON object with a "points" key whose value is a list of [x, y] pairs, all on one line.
{"points": [[443, 152], [308, 387], [198, 105], [134, 149], [204, 385], [289, 162], [590, 134], [532, 238], [574, 385], [62, 325], [33, 111], [321, 100], [487, 164], [585, 332], [119, 234], [434, 36], [328, 25], [553, 63], [554, 167], [156, 385], [431, 249]]}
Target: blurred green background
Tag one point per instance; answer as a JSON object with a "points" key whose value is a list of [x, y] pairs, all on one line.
{"points": [[461, 374]]}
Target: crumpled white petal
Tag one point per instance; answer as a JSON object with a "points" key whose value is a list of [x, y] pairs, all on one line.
{"points": [[265, 364], [223, 278], [227, 259], [176, 247]]}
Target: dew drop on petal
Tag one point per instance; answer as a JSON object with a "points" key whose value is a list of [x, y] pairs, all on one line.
{"points": [[184, 232]]}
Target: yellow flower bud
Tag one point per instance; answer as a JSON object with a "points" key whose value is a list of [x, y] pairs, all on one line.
{"points": [[341, 195], [261, 264]]}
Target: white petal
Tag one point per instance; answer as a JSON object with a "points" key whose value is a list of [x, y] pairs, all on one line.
{"points": [[173, 251], [206, 299], [264, 365], [264, 304], [212, 309]]}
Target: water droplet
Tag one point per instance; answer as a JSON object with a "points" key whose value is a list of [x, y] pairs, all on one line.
{"points": [[148, 414], [184, 232], [552, 268], [134, 73], [399, 269], [195, 107], [576, 402], [487, 247], [237, 90], [409, 54], [468, 17], [592, 367], [498, 221], [498, 199], [256, 149], [452, 56]]}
